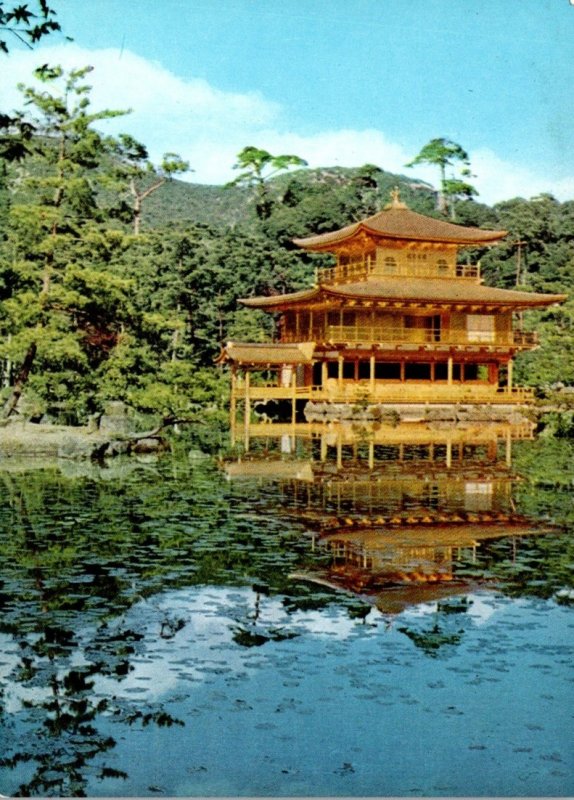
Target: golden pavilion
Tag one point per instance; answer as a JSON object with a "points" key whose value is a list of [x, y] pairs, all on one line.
{"points": [[399, 319]]}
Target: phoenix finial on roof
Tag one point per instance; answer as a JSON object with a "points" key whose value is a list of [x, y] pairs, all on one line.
{"points": [[396, 201]]}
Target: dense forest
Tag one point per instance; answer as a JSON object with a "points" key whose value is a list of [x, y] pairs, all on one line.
{"points": [[120, 282]]}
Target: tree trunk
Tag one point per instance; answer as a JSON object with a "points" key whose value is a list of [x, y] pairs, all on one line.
{"points": [[441, 201], [21, 380], [137, 207], [139, 197]]}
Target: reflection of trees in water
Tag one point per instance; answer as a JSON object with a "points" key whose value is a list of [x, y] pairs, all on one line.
{"points": [[78, 553], [445, 629], [61, 737], [64, 738], [433, 639], [54, 607]]}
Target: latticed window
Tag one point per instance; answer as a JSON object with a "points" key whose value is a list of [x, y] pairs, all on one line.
{"points": [[390, 265], [480, 328]]}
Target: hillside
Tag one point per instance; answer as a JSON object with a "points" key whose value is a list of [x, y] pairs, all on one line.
{"points": [[180, 203]]}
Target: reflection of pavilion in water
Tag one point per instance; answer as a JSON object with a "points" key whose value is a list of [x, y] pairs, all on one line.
{"points": [[403, 510]]}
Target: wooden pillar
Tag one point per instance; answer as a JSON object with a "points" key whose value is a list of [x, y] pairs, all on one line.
{"points": [[340, 375], [449, 454], [294, 395], [323, 456], [509, 376], [371, 455], [508, 453], [247, 410], [233, 404], [402, 371], [339, 449], [372, 374], [324, 374], [449, 371]]}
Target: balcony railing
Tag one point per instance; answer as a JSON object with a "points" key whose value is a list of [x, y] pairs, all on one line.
{"points": [[379, 334], [418, 392], [361, 270]]}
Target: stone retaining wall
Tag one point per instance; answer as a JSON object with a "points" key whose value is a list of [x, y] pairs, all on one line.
{"points": [[407, 412]]}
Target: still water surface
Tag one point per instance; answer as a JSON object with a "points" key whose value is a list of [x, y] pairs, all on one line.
{"points": [[371, 613]]}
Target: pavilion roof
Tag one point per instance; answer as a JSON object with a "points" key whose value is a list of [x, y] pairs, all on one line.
{"points": [[397, 221], [268, 353], [412, 290]]}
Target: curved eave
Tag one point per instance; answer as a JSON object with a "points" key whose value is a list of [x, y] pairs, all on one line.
{"points": [[421, 291], [279, 301], [335, 243], [442, 292], [405, 225]]}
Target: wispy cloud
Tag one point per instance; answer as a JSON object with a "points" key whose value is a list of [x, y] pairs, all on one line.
{"points": [[208, 126]]}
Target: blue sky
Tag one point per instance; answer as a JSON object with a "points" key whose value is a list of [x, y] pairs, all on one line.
{"points": [[335, 81]]}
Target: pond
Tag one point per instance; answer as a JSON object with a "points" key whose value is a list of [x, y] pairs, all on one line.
{"points": [[332, 611]]}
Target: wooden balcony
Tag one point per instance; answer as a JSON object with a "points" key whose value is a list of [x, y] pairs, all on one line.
{"points": [[362, 270], [394, 336]]}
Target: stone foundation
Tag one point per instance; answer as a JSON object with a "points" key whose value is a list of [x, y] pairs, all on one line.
{"points": [[413, 412]]}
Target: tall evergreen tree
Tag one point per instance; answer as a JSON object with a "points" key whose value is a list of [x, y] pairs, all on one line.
{"points": [[257, 167], [140, 177], [53, 302], [445, 153]]}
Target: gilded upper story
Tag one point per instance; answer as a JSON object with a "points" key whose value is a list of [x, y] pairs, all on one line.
{"points": [[400, 270], [398, 242], [411, 261]]}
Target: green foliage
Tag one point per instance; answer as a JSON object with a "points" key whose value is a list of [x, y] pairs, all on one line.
{"points": [[26, 22], [258, 166], [553, 361], [134, 174], [444, 153], [539, 250]]}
